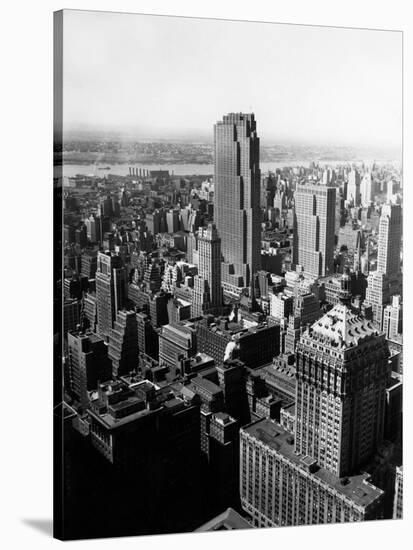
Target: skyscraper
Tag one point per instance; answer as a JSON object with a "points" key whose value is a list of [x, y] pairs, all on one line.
{"points": [[207, 295], [87, 363], [353, 187], [340, 394], [386, 281], [314, 225], [111, 291], [390, 228], [123, 344], [392, 318], [367, 190], [312, 475], [237, 198]]}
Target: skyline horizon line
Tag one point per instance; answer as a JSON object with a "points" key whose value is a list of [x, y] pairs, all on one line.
{"points": [[125, 133]]}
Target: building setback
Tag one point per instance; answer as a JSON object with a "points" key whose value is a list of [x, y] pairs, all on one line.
{"points": [[207, 295], [312, 475], [123, 343], [237, 198]]}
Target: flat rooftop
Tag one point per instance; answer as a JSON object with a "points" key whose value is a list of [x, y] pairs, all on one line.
{"points": [[206, 384], [356, 488]]}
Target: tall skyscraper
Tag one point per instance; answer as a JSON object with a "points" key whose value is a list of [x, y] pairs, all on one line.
{"points": [[312, 475], [353, 187], [386, 281], [390, 228], [314, 225], [123, 344], [340, 409], [392, 318], [367, 189], [377, 295], [207, 295], [111, 291], [237, 198]]}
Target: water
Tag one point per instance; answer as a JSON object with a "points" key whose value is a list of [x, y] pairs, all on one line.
{"points": [[70, 170]]}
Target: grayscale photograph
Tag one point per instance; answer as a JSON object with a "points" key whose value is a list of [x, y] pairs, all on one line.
{"points": [[228, 297]]}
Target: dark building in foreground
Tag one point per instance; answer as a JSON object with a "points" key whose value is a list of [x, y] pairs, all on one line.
{"points": [[87, 363], [149, 438]]}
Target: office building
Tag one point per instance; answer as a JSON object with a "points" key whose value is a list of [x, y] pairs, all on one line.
{"points": [[280, 488], [340, 412], [176, 342], [377, 295], [367, 190], [237, 198], [393, 318], [87, 364], [207, 294], [389, 243], [312, 475], [148, 339], [314, 226], [123, 344], [353, 187], [89, 264], [111, 291]]}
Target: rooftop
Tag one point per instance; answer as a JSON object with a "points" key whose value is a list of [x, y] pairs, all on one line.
{"points": [[206, 384], [356, 487], [342, 327]]}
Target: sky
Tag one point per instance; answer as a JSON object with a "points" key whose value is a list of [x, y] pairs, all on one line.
{"points": [[169, 77]]}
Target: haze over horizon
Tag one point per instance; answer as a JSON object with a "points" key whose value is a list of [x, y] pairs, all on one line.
{"points": [[155, 77]]}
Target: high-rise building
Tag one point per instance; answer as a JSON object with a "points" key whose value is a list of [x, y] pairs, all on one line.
{"points": [[280, 488], [353, 187], [176, 342], [89, 264], [390, 228], [87, 364], [207, 295], [367, 190], [172, 220], [111, 291], [281, 306], [148, 339], [340, 410], [237, 198], [312, 475], [392, 318], [123, 344], [377, 295], [314, 226]]}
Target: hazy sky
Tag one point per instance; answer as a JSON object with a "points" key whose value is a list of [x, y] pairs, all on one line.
{"points": [[174, 77]]}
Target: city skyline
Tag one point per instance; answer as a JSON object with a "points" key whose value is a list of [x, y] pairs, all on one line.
{"points": [[232, 338], [300, 94]]}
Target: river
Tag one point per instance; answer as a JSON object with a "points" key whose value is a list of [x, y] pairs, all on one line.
{"points": [[70, 170]]}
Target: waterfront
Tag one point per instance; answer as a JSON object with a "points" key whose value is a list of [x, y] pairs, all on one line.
{"points": [[70, 170]]}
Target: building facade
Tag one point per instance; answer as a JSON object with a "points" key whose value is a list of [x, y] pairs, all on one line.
{"points": [[314, 226], [237, 198]]}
